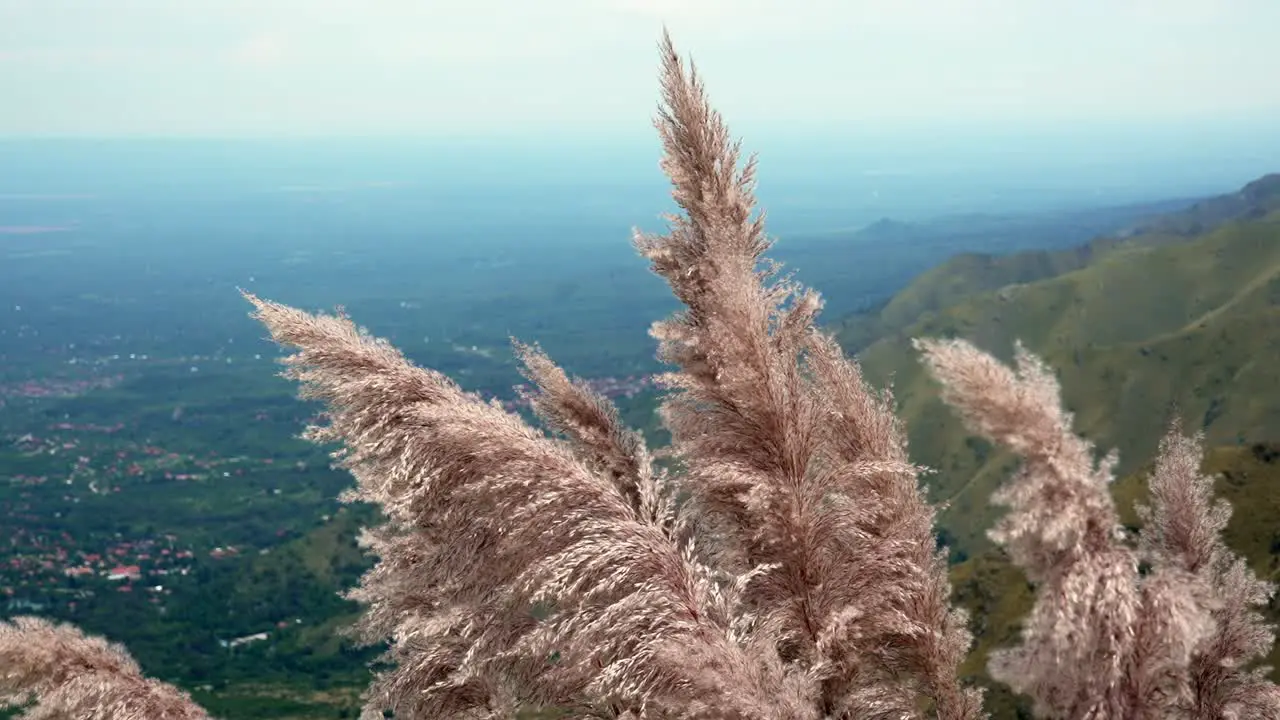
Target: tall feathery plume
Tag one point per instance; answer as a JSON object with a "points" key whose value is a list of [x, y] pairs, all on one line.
{"points": [[488, 518], [1182, 528], [73, 676], [1101, 642], [800, 471]]}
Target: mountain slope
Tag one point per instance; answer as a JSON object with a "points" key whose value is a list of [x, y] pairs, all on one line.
{"points": [[1133, 334], [948, 283]]}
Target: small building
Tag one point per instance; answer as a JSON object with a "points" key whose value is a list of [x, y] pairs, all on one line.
{"points": [[125, 572]]}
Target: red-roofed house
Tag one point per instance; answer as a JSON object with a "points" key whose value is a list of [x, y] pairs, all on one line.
{"points": [[125, 572]]}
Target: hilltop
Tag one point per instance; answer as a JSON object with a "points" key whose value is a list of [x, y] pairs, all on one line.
{"points": [[859, 269], [1253, 201]]}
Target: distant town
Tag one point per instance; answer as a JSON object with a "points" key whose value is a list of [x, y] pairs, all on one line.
{"points": [[81, 460], [612, 387]]}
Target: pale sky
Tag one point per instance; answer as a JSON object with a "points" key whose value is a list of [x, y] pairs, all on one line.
{"points": [[442, 68]]}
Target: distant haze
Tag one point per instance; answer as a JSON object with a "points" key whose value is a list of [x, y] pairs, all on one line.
{"points": [[508, 193], [527, 69]]}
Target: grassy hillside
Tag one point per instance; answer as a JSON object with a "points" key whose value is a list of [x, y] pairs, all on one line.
{"points": [[956, 279], [1133, 334], [968, 274]]}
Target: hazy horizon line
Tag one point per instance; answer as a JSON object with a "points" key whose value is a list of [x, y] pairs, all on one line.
{"points": [[792, 131]]}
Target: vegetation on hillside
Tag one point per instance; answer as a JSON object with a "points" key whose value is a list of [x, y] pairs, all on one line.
{"points": [[972, 273], [1135, 333]]}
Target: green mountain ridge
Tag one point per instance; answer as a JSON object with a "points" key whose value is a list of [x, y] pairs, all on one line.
{"points": [[967, 274], [1253, 201], [857, 269]]}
